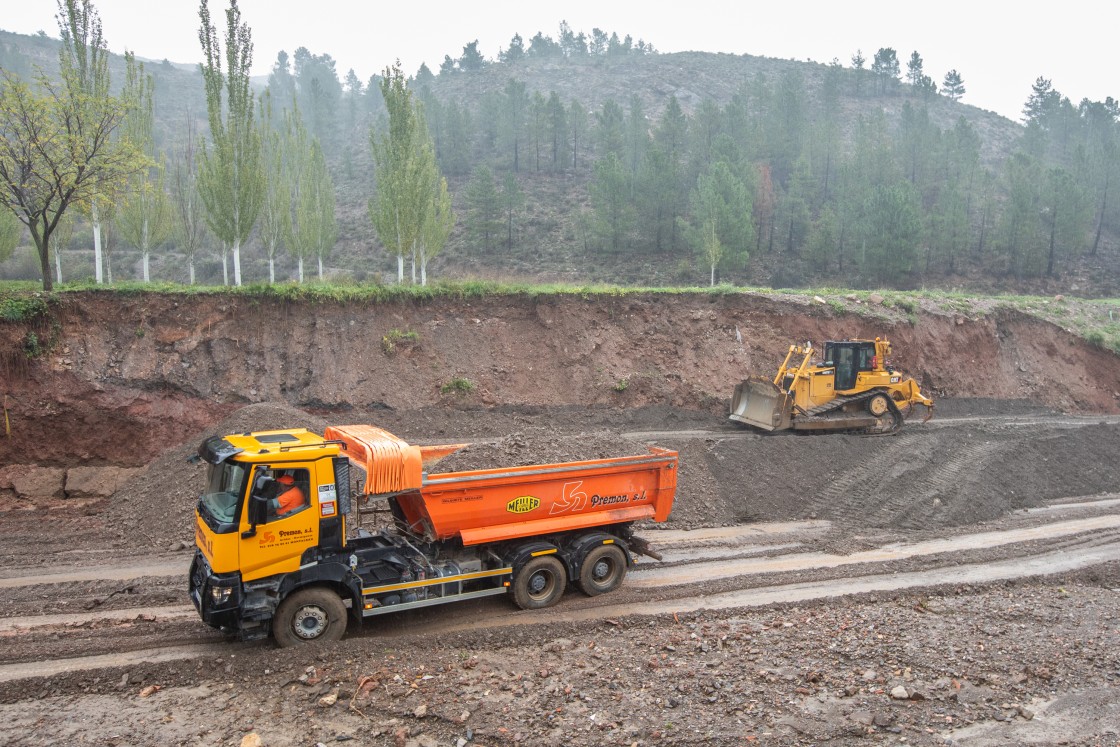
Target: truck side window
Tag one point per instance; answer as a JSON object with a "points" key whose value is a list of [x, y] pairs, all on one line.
{"points": [[287, 491]]}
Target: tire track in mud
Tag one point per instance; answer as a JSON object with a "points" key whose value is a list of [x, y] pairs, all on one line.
{"points": [[1071, 544], [1048, 563]]}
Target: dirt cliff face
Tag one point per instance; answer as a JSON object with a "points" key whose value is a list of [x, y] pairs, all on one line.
{"points": [[127, 376]]}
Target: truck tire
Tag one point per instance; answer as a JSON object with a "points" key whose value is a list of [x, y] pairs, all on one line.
{"points": [[309, 616], [602, 570], [540, 583]]}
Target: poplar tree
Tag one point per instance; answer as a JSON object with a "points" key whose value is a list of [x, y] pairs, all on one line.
{"points": [[411, 210], [276, 207], [297, 144], [84, 60], [189, 223], [60, 239], [231, 180], [317, 226], [11, 231], [145, 213]]}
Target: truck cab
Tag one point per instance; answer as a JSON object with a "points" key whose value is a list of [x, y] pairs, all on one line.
{"points": [[242, 531]]}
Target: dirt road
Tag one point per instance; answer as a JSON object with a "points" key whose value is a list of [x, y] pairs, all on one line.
{"points": [[841, 620]]}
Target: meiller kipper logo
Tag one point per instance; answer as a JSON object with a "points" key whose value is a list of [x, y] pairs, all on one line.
{"points": [[523, 504]]}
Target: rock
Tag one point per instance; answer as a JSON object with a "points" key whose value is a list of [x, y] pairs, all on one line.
{"points": [[96, 482], [875, 298], [1025, 713], [818, 299], [29, 481], [899, 693], [328, 700], [421, 711], [252, 739], [862, 717], [869, 675], [882, 718]]}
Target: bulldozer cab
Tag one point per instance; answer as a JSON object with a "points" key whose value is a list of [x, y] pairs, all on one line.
{"points": [[849, 358]]}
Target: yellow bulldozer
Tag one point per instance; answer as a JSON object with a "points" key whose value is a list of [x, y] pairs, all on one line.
{"points": [[855, 388]]}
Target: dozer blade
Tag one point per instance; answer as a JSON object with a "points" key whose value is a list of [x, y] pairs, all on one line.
{"points": [[760, 403]]}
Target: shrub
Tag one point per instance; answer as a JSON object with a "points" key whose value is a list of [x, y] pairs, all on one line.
{"points": [[458, 385]]}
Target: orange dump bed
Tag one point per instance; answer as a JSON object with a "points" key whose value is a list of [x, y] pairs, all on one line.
{"points": [[500, 504]]}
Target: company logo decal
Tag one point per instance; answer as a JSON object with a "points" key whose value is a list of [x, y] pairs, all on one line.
{"points": [[523, 504], [268, 538]]}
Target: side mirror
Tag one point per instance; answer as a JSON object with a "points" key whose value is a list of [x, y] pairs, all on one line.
{"points": [[258, 514]]}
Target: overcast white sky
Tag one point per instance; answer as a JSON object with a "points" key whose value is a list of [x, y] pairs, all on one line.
{"points": [[999, 48]]}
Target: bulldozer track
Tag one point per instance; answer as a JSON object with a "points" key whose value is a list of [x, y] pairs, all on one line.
{"points": [[959, 465], [867, 477]]}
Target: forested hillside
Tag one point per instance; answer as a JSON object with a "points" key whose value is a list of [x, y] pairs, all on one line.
{"points": [[591, 158]]}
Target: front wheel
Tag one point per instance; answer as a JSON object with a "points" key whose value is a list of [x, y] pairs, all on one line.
{"points": [[603, 570], [309, 616], [540, 583]]}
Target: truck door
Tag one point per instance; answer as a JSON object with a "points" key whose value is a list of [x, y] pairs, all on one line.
{"points": [[291, 523]]}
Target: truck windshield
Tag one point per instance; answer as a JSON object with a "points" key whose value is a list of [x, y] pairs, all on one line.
{"points": [[221, 500]]}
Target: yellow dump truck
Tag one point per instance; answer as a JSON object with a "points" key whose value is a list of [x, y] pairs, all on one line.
{"points": [[276, 555]]}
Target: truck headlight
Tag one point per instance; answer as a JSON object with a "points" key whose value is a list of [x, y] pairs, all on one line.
{"points": [[220, 594]]}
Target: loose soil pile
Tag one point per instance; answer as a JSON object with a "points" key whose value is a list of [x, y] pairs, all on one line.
{"points": [[537, 447], [928, 477]]}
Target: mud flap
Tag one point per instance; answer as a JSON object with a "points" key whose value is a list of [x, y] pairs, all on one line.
{"points": [[759, 402]]}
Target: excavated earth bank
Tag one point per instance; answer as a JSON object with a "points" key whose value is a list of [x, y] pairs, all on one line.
{"points": [[94, 472]]}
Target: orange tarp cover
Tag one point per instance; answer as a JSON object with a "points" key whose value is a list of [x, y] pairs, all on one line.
{"points": [[391, 464]]}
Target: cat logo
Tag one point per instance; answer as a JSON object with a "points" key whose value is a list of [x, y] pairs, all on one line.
{"points": [[523, 504]]}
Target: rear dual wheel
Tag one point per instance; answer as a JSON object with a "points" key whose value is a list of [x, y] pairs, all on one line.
{"points": [[602, 570]]}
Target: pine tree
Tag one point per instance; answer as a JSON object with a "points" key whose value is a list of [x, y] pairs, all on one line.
{"points": [[613, 209], [953, 85], [512, 200], [484, 208], [914, 72]]}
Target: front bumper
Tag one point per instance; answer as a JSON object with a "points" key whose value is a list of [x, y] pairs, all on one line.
{"points": [[216, 596]]}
